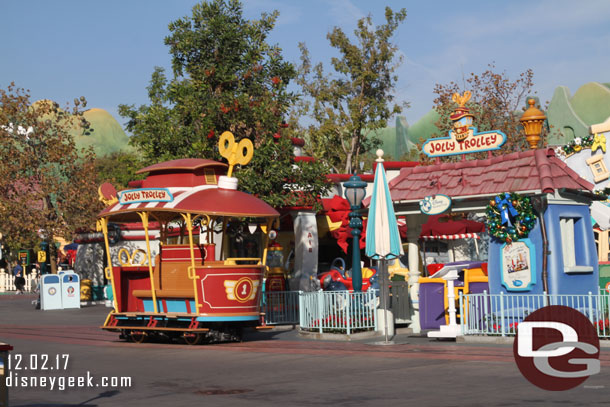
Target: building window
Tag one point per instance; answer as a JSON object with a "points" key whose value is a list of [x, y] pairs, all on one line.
{"points": [[598, 168], [436, 252], [572, 245], [601, 243]]}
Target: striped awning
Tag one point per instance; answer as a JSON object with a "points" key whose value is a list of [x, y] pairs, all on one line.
{"points": [[451, 237]]}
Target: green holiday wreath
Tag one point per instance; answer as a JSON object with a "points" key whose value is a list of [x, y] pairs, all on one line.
{"points": [[510, 216]]}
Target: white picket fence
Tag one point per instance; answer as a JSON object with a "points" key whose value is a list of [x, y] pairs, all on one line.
{"points": [[7, 282]]}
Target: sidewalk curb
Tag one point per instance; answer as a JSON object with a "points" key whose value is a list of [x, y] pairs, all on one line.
{"points": [[506, 340], [351, 337], [338, 337], [496, 340]]}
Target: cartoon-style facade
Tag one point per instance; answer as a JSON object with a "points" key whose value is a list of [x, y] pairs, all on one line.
{"points": [[557, 220]]}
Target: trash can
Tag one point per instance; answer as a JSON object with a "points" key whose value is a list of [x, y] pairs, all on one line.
{"points": [[50, 292], [70, 290]]}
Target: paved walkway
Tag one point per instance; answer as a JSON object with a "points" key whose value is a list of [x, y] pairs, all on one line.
{"points": [[270, 368]]}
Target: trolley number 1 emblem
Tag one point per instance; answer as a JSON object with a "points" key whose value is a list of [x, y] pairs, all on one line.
{"points": [[241, 290]]}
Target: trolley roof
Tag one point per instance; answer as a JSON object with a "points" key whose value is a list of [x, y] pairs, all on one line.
{"points": [[182, 164], [204, 199]]}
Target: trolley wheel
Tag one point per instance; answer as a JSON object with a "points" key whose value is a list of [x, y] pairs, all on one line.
{"points": [[137, 336], [192, 338], [238, 334]]}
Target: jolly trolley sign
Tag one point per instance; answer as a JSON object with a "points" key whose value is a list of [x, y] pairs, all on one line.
{"points": [[145, 195], [464, 138]]}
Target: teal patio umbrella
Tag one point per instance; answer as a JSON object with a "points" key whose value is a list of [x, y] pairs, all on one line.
{"points": [[382, 237]]}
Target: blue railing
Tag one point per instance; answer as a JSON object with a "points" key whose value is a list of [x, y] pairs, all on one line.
{"points": [[338, 311], [500, 314], [280, 307]]}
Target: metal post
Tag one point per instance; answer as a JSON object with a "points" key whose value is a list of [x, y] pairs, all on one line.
{"points": [[374, 313], [486, 309], [502, 312], [462, 313], [320, 308], [348, 312], [451, 302], [302, 310], [545, 299], [144, 218], [356, 224], [355, 189], [383, 266], [108, 270], [591, 306]]}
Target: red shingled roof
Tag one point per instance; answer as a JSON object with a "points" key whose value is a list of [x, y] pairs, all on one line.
{"points": [[532, 170]]}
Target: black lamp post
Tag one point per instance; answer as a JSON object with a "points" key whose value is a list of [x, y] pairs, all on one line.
{"points": [[355, 189]]}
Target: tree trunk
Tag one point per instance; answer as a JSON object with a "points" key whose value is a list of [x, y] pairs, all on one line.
{"points": [[348, 163], [52, 256], [349, 159]]}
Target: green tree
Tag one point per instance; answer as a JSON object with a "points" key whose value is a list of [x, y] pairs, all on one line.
{"points": [[349, 106], [119, 168], [48, 188], [225, 77], [497, 103]]}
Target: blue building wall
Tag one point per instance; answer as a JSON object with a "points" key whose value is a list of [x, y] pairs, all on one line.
{"points": [[559, 281], [494, 264]]}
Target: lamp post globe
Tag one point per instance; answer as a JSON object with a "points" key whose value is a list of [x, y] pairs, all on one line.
{"points": [[355, 190], [532, 121]]}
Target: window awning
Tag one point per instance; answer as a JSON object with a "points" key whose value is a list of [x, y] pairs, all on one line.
{"points": [[451, 237]]}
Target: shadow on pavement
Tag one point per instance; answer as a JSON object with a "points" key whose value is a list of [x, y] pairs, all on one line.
{"points": [[110, 393]]}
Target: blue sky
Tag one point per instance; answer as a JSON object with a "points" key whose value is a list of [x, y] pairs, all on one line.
{"points": [[106, 50]]}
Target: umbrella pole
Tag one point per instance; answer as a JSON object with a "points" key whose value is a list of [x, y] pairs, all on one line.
{"points": [[384, 275]]}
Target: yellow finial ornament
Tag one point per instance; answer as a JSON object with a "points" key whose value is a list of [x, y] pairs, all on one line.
{"points": [[235, 153], [461, 100]]}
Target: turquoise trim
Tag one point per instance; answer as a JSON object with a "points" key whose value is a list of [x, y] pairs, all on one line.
{"points": [[237, 318], [161, 316], [177, 305]]}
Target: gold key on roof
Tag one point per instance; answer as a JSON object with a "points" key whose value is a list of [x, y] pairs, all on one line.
{"points": [[236, 153], [461, 99]]}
